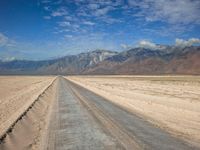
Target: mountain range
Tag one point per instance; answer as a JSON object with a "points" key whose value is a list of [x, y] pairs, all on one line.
{"points": [[144, 61]]}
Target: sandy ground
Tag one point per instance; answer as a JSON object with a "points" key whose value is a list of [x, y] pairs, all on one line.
{"points": [[16, 94], [29, 132], [68, 116], [170, 102]]}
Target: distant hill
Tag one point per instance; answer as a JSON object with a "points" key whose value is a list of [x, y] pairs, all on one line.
{"points": [[72, 64], [167, 60], [163, 60]]}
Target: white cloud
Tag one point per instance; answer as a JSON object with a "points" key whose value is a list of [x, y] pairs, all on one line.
{"points": [[110, 20], [103, 11], [75, 26], [47, 8], [147, 44], [68, 18], [89, 23], [47, 17], [87, 12], [93, 6], [5, 41], [177, 13], [68, 36], [171, 11], [189, 42], [64, 23], [60, 12]]}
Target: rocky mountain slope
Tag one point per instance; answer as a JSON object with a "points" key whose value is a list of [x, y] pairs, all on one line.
{"points": [[168, 60], [163, 60], [72, 64]]}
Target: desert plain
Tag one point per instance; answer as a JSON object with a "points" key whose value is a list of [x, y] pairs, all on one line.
{"points": [[169, 103], [17, 93]]}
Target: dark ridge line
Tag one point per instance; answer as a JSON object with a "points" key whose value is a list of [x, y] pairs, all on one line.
{"points": [[11, 127]]}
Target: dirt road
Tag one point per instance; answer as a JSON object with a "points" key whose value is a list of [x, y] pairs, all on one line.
{"points": [[84, 120], [170, 102], [76, 118]]}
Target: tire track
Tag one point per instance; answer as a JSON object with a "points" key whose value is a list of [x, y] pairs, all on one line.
{"points": [[109, 124]]}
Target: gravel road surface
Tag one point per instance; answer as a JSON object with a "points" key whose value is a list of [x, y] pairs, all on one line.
{"points": [[84, 120]]}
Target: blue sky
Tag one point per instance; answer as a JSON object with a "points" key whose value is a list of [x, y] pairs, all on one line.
{"points": [[42, 29]]}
